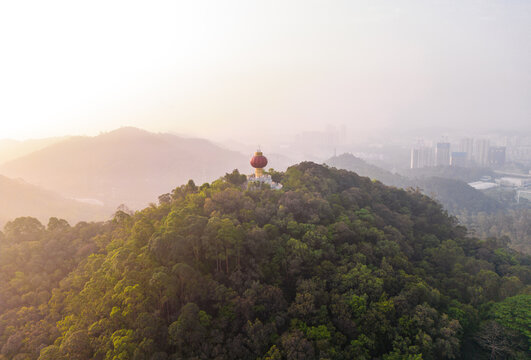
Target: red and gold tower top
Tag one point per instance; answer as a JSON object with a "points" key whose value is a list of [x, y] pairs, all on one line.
{"points": [[259, 162]]}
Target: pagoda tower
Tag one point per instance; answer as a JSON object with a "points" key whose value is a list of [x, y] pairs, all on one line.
{"points": [[255, 181], [259, 162]]}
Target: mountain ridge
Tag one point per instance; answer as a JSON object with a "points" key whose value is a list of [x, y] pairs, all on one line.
{"points": [[12, 149], [127, 165]]}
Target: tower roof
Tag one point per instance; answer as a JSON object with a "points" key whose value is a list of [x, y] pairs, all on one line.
{"points": [[258, 161]]}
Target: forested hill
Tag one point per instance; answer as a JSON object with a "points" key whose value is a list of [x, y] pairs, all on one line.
{"points": [[333, 266]]}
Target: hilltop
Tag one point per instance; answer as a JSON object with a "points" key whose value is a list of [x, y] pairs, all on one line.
{"points": [[333, 266]]}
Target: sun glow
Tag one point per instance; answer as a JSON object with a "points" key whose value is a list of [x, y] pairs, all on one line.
{"points": [[209, 67]]}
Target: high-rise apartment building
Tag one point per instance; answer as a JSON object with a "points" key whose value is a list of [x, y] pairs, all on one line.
{"points": [[467, 146], [415, 159], [481, 152], [496, 156], [442, 154], [422, 157]]}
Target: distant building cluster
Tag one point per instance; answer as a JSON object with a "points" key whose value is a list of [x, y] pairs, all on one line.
{"points": [[519, 183], [469, 152], [518, 149]]}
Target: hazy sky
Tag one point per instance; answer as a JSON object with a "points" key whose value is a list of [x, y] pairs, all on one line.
{"points": [[225, 68]]}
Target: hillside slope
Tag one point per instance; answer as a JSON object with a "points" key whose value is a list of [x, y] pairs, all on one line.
{"points": [[457, 196], [12, 149], [449, 188], [363, 168], [18, 198], [333, 266], [128, 165], [485, 215]]}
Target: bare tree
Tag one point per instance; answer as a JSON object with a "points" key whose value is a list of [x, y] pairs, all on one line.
{"points": [[495, 338]]}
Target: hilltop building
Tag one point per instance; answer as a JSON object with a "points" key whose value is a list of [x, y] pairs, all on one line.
{"points": [[259, 162]]}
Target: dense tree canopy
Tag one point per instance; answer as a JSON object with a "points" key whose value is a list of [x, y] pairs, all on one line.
{"points": [[489, 213], [333, 266]]}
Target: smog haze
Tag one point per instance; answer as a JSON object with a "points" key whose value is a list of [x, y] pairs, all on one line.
{"points": [[219, 70]]}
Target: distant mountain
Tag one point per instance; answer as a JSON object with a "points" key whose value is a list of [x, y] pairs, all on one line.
{"points": [[361, 167], [128, 165], [18, 198], [12, 149]]}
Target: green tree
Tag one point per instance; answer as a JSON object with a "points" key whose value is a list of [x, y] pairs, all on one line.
{"points": [[188, 332], [76, 346], [515, 313]]}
